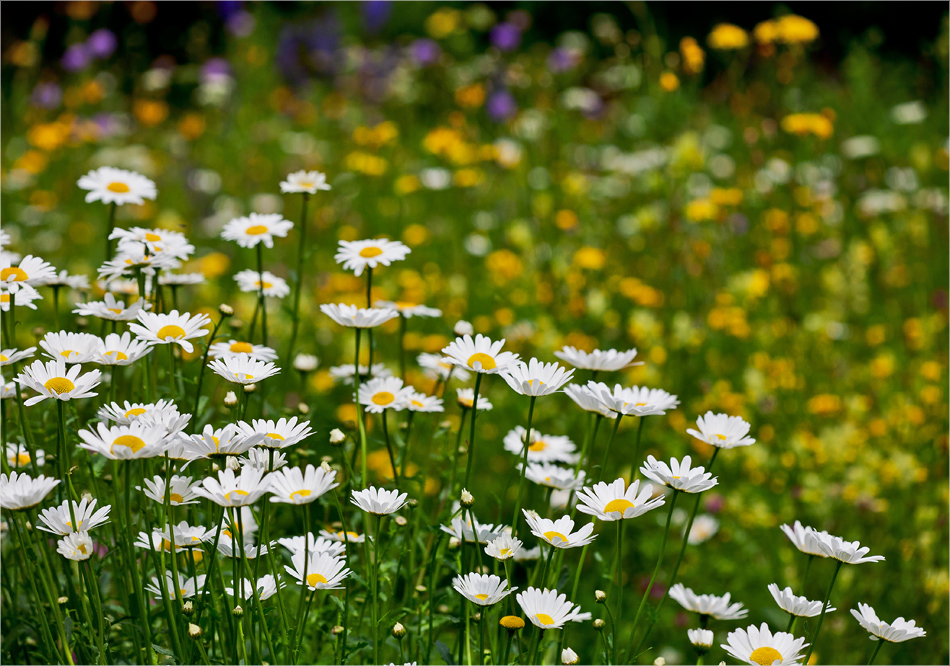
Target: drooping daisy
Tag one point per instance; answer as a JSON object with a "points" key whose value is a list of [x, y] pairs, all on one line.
{"points": [[228, 547], [757, 645], [587, 400], [182, 490], [704, 528], [345, 373], [11, 356], [463, 529], [125, 442], [324, 571], [250, 282], [635, 400], [255, 228], [53, 380], [354, 317], [559, 533], [351, 537], [678, 475], [420, 402], [466, 399], [261, 458], [793, 605], [610, 501], [707, 604], [601, 361], [381, 393], [111, 309], [314, 544], [849, 552], [118, 186], [18, 455], [73, 347], [186, 586], [482, 589], [378, 501], [76, 546], [235, 347], [226, 441], [19, 294], [552, 476], [440, 367], [535, 378], [291, 486], [503, 547], [121, 350], [542, 448], [358, 255], [171, 328], [722, 430], [308, 182], [479, 354], [546, 609], [277, 434], [58, 519], [701, 638], [266, 588], [409, 309], [242, 369], [230, 489], [30, 270], [21, 491], [898, 631], [806, 539]]}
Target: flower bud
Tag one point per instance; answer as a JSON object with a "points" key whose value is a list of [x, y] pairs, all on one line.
{"points": [[337, 630], [400, 520], [187, 609], [659, 661], [237, 612], [569, 657], [467, 499], [303, 408], [477, 617], [599, 624], [305, 362], [194, 631], [511, 622], [62, 600], [230, 400], [600, 596], [336, 436], [325, 466], [250, 388], [398, 630], [226, 310], [453, 543], [462, 327]]}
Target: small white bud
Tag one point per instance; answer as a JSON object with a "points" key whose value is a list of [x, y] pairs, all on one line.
{"points": [[250, 388], [337, 436], [194, 631], [306, 362], [398, 630], [569, 657], [467, 499], [462, 327], [659, 661], [325, 466], [600, 596], [230, 399], [226, 310]]}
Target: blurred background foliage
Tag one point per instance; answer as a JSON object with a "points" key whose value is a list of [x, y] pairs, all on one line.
{"points": [[760, 209]]}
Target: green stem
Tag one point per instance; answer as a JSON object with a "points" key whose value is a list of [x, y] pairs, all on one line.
{"points": [[301, 254], [260, 293], [364, 472], [471, 437], [824, 607], [402, 347], [389, 448], [524, 465], [636, 448], [613, 433], [877, 649], [791, 623], [111, 226], [201, 374], [811, 559], [618, 570]]}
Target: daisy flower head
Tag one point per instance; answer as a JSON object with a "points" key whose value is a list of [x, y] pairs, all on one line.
{"points": [[135, 411], [187, 586], [479, 354], [11, 356], [358, 255], [156, 241], [345, 373], [471, 532], [30, 271], [7, 389], [635, 400], [546, 609], [17, 294], [181, 491], [806, 539], [256, 228], [277, 434], [242, 369], [707, 604], [235, 347], [528, 554], [134, 257], [541, 448], [58, 519], [848, 552], [439, 367], [535, 378], [305, 362], [898, 631], [64, 279], [420, 402], [121, 349], [53, 380], [466, 399], [354, 317], [722, 431], [559, 533], [292, 486], [307, 182], [111, 309], [612, 501], [409, 309], [798, 606], [76, 546], [601, 361], [351, 537], [503, 547], [226, 441], [21, 491], [378, 501], [296, 544], [587, 400], [250, 282], [261, 458], [323, 570], [678, 475], [185, 536], [757, 645], [125, 442], [18, 455], [180, 279], [170, 328], [550, 475], [381, 393], [704, 528], [231, 489], [482, 589], [266, 588], [73, 347], [701, 638], [118, 186]]}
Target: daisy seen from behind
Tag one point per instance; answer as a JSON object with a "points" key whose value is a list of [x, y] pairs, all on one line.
{"points": [[722, 431], [597, 360], [482, 589], [535, 378]]}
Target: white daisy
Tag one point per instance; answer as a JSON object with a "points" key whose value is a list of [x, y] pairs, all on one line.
{"points": [[806, 539], [187, 586], [242, 369], [409, 309], [634, 401], [701, 638], [378, 501], [438, 367], [121, 350], [291, 486], [503, 547], [226, 441], [186, 536], [11, 356], [535, 378], [30, 270], [354, 317], [305, 362], [323, 571], [482, 589], [64, 279], [261, 458], [318, 544], [465, 530], [849, 552], [230, 489], [707, 604], [7, 389], [19, 294], [171, 328], [277, 434], [53, 380], [134, 258], [250, 282], [344, 373], [610, 501], [266, 588], [18, 455], [135, 411], [420, 402], [704, 528], [546, 609], [228, 547], [351, 537], [125, 442], [479, 354], [381, 393], [76, 546], [304, 181], [678, 475], [722, 430], [601, 361], [559, 533], [21, 491], [799, 606], [235, 347], [552, 476], [124, 287], [58, 519], [898, 631], [542, 448], [73, 347], [255, 228], [111, 309], [357, 255], [758, 646], [182, 490], [466, 399], [180, 279], [118, 186], [156, 241], [587, 400]]}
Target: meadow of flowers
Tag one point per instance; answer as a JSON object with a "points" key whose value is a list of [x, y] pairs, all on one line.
{"points": [[392, 334]]}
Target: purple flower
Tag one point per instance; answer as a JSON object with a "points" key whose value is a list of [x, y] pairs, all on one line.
{"points": [[562, 60], [76, 58], [102, 43], [214, 68], [501, 106], [505, 36], [47, 95], [375, 14], [715, 503], [425, 51], [240, 24]]}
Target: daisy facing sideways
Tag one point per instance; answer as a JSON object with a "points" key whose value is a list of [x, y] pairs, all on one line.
{"points": [[186, 586], [17, 294], [266, 587], [321, 571], [678, 475], [707, 604], [635, 400], [58, 519], [235, 347], [479, 354], [898, 631], [53, 380], [503, 547], [482, 589], [255, 228], [542, 448], [242, 369], [359, 255], [806, 539], [250, 281], [31, 270], [111, 309], [611, 501], [793, 605], [535, 378], [11, 356], [722, 431], [546, 609], [21, 491], [354, 317], [277, 434], [226, 441], [182, 490], [600, 361], [558, 533], [118, 186], [759, 647], [377, 501], [306, 182], [408, 309], [171, 328]]}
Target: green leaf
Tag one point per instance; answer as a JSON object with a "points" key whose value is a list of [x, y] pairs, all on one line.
{"points": [[444, 652], [159, 649]]}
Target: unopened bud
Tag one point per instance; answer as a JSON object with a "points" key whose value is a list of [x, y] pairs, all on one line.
{"points": [[250, 388], [453, 542], [467, 499], [659, 661], [187, 608], [600, 596], [398, 630], [337, 630], [413, 502], [599, 624], [215, 467], [400, 520], [194, 631], [226, 310], [230, 400], [237, 612], [477, 617], [462, 327], [337, 436], [325, 466], [303, 408], [62, 600], [569, 657]]}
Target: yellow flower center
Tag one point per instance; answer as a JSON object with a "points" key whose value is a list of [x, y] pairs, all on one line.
{"points": [[22, 459], [370, 252], [267, 285], [70, 523], [351, 535], [383, 398], [60, 385], [314, 578], [66, 353], [4, 298], [117, 187], [504, 551], [544, 618], [765, 656], [175, 497], [405, 305], [274, 435], [537, 446], [119, 356], [135, 411], [618, 504], [487, 362], [4, 358], [511, 622], [82, 549], [721, 437], [242, 348], [301, 493], [152, 237], [115, 310], [171, 331], [532, 381], [256, 230], [304, 183], [465, 402], [18, 274], [246, 376], [131, 441], [416, 403], [227, 496], [550, 536], [481, 596]]}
